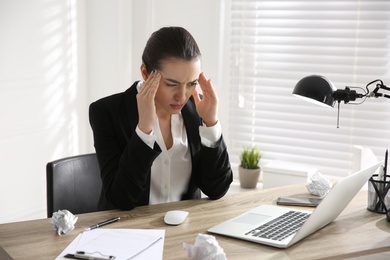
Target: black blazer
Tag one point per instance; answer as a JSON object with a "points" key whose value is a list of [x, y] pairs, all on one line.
{"points": [[125, 160]]}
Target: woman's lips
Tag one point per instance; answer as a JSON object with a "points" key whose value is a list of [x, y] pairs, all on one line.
{"points": [[176, 107]]}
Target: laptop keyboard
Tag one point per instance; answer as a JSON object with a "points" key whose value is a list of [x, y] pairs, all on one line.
{"points": [[281, 227]]}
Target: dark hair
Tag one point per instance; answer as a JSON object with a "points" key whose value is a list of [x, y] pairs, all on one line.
{"points": [[169, 42]]}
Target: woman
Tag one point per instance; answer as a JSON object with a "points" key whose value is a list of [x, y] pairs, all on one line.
{"points": [[158, 141]]}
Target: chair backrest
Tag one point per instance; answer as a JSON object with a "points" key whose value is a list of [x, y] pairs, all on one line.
{"points": [[73, 183]]}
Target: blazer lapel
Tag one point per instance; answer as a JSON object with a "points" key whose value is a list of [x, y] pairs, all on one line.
{"points": [[130, 108]]}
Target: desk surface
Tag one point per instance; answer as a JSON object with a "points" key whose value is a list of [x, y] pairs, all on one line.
{"points": [[355, 232]]}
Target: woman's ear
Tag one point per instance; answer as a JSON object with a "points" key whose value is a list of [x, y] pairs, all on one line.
{"points": [[144, 72]]}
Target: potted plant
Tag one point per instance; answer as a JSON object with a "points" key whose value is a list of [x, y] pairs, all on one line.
{"points": [[249, 169]]}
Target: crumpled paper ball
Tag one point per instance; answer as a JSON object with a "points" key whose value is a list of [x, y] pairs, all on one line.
{"points": [[206, 248], [63, 221], [318, 185]]}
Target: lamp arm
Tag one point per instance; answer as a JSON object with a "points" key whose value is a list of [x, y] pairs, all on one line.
{"points": [[379, 86]]}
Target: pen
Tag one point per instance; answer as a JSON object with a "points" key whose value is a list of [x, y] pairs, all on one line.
{"points": [[82, 256], [103, 223]]}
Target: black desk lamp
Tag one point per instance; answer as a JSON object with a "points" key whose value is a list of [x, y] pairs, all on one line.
{"points": [[318, 89]]}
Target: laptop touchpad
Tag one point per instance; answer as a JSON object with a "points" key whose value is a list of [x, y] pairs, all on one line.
{"points": [[252, 218]]}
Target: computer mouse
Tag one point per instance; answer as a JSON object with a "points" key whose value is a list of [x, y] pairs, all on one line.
{"points": [[175, 217]]}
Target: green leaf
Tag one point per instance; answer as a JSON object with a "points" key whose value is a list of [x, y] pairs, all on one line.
{"points": [[250, 157]]}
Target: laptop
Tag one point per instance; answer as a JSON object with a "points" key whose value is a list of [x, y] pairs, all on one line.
{"points": [[253, 224]]}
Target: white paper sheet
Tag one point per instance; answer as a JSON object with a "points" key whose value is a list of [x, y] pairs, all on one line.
{"points": [[121, 243]]}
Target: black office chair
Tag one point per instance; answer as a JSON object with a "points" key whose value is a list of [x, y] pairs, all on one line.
{"points": [[73, 183]]}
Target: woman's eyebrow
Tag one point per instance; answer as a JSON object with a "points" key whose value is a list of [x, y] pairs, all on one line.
{"points": [[194, 81], [172, 80], [177, 82]]}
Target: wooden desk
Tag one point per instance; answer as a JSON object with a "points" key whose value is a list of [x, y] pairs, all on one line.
{"points": [[355, 232]]}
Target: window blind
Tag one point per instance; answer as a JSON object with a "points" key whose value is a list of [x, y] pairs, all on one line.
{"points": [[273, 44]]}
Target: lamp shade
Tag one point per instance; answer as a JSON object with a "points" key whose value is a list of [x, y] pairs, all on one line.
{"points": [[316, 89]]}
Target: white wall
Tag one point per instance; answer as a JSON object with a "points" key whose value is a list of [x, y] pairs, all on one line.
{"points": [[58, 56], [109, 45], [42, 98]]}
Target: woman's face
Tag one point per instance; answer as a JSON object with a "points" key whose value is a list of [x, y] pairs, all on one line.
{"points": [[179, 78]]}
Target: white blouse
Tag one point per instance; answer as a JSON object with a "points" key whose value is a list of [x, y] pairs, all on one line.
{"points": [[171, 170]]}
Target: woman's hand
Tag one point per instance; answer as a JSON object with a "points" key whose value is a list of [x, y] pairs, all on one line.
{"points": [[207, 107], [145, 102]]}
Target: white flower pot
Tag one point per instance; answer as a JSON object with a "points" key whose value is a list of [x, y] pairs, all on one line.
{"points": [[248, 177]]}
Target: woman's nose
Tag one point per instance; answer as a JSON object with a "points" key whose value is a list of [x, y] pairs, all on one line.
{"points": [[180, 94]]}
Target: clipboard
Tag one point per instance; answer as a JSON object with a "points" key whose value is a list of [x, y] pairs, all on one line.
{"points": [[120, 243]]}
